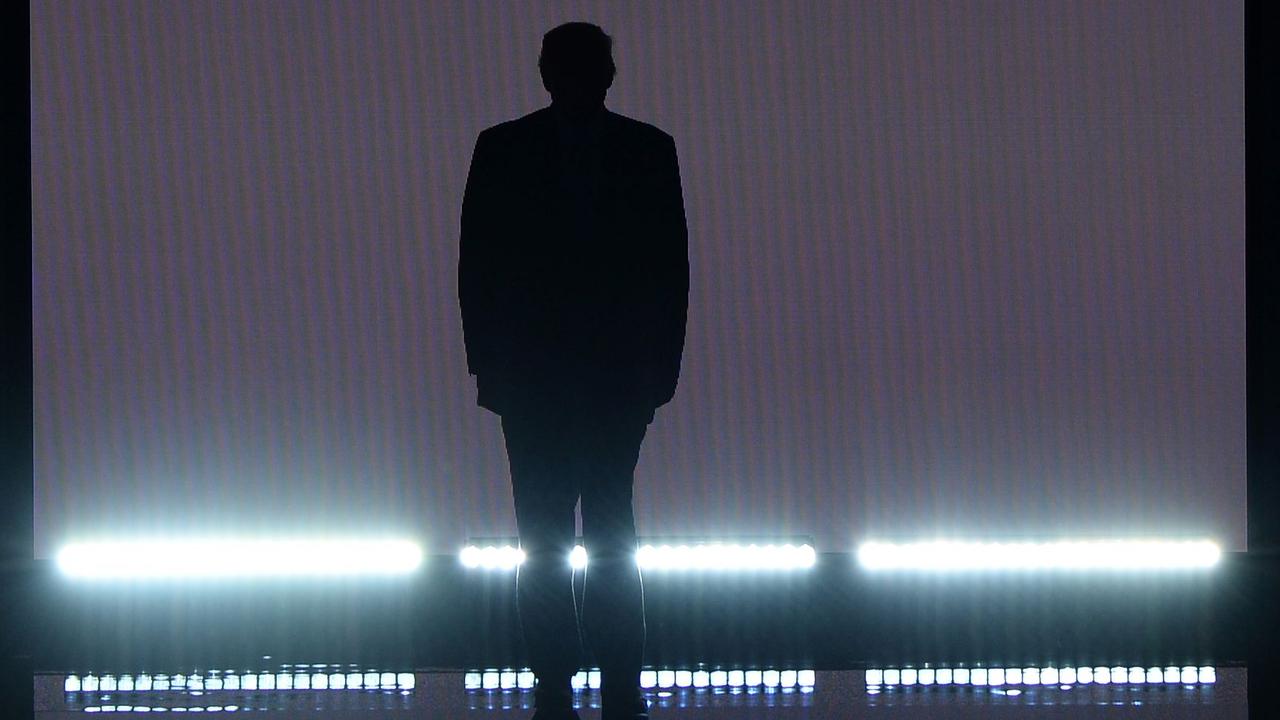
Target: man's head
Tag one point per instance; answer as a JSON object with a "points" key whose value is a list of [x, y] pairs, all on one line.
{"points": [[577, 67]]}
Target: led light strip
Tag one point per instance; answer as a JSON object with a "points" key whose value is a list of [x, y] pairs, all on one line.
{"points": [[511, 679], [216, 557], [1064, 676], [725, 556], [1068, 555], [492, 557], [160, 708], [143, 682], [710, 556]]}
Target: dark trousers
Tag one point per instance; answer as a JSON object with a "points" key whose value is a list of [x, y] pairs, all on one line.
{"points": [[556, 457]]}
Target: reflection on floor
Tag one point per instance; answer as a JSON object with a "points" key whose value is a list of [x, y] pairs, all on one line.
{"points": [[305, 690]]}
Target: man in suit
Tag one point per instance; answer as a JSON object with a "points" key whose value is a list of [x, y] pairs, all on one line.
{"points": [[573, 282]]}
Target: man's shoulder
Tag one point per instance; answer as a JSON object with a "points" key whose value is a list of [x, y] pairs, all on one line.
{"points": [[639, 127], [632, 129], [640, 130], [507, 129], [500, 131]]}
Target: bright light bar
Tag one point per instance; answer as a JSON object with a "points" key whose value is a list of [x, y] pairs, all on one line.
{"points": [[217, 557], [726, 556], [710, 556], [508, 557], [1070, 555], [694, 680], [1063, 677], [159, 708], [214, 680], [492, 558]]}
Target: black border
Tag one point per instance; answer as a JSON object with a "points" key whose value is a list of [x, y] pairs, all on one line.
{"points": [[1263, 511], [17, 494], [16, 432]]}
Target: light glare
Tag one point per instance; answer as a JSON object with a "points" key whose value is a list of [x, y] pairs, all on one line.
{"points": [[1065, 677], [230, 557], [1068, 555], [710, 556]]}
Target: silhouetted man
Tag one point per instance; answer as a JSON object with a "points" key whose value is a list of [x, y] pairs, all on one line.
{"points": [[573, 281]]}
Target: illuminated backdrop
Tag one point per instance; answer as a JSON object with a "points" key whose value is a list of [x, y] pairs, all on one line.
{"points": [[972, 267]]}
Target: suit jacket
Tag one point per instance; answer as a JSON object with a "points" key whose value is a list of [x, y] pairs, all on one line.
{"points": [[566, 297]]}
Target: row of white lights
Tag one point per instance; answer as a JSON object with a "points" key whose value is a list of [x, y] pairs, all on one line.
{"points": [[1066, 555], [1064, 676], [162, 708], [231, 557], [877, 679], [241, 681], [711, 556], [938, 556], [494, 679], [210, 558]]}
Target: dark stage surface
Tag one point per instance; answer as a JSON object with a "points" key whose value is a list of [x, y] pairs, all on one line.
{"points": [[684, 693]]}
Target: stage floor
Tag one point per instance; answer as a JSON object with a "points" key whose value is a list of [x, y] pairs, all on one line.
{"points": [[347, 691]]}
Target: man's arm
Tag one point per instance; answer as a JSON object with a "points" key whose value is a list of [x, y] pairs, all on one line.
{"points": [[672, 274], [476, 259]]}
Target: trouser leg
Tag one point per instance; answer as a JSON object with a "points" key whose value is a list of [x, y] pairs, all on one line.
{"points": [[545, 492], [613, 602]]}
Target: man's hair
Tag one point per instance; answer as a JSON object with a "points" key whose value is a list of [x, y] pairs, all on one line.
{"points": [[580, 50]]}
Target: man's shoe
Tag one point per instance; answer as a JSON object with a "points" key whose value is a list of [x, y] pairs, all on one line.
{"points": [[628, 705], [554, 702]]}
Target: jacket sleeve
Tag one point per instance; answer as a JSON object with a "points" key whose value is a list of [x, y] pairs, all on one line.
{"points": [[476, 259], [673, 274]]}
